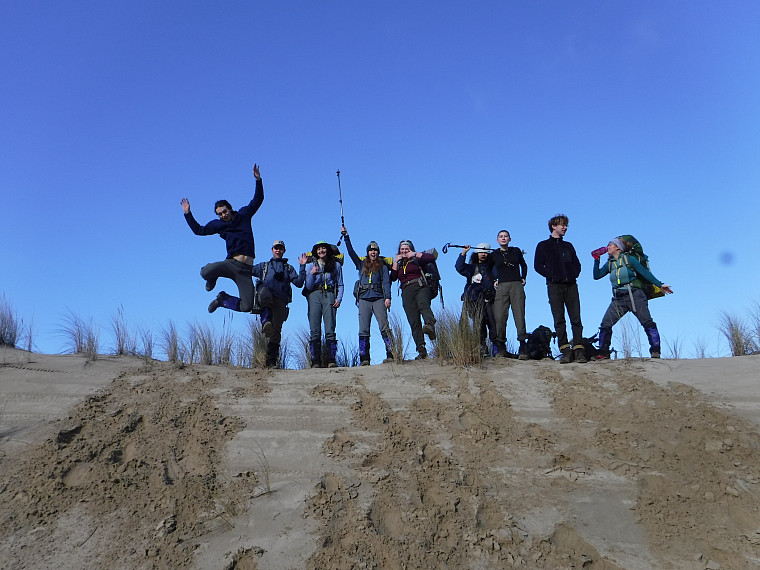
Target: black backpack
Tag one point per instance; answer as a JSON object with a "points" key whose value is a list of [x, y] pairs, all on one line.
{"points": [[539, 343]]}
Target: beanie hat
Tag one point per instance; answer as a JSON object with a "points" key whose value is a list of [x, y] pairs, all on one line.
{"points": [[373, 245], [618, 243]]}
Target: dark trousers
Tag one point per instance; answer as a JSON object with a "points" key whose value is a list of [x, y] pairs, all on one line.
{"points": [[416, 301], [279, 308], [241, 274], [565, 296]]}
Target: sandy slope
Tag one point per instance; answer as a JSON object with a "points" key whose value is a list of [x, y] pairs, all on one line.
{"points": [[616, 464]]}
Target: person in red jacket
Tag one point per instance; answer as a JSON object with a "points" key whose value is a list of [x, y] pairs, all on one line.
{"points": [[415, 294]]}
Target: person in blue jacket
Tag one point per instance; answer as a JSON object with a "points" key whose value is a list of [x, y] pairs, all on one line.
{"points": [[234, 227], [274, 293], [374, 297], [324, 293], [479, 292], [625, 272]]}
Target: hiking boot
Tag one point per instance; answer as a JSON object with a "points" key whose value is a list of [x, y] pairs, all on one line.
{"points": [[523, 354], [268, 329], [602, 356], [216, 303], [421, 356], [388, 358], [210, 284], [429, 330], [579, 354], [655, 354], [567, 356], [364, 363], [315, 364]]}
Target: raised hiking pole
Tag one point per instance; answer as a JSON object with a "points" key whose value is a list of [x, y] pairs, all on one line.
{"points": [[446, 247], [340, 199]]}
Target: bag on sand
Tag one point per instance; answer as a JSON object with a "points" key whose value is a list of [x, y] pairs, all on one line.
{"points": [[539, 343]]}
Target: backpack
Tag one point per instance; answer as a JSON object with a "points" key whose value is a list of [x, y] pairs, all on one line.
{"points": [[589, 349], [538, 343], [633, 247], [260, 283], [431, 275]]}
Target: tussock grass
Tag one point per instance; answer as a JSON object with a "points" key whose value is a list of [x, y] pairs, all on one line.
{"points": [[301, 358], [169, 342], [10, 324], [347, 355], [398, 346], [457, 339], [126, 342], [82, 336], [741, 334], [252, 348]]}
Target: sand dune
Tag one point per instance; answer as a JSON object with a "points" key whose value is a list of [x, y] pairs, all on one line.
{"points": [[620, 464]]}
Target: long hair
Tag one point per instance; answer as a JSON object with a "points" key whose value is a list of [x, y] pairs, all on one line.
{"points": [[369, 267]]}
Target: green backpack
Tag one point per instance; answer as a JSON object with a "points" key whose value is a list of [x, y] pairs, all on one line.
{"points": [[633, 247]]}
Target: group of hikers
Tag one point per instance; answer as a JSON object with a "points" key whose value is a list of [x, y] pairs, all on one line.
{"points": [[495, 283]]}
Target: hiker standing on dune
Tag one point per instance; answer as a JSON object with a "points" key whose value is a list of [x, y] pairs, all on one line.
{"points": [[373, 297], [234, 227], [625, 273], [557, 261], [510, 271], [415, 294], [479, 292], [274, 293]]}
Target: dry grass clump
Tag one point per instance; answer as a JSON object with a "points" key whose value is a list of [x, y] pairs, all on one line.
{"points": [[82, 336], [742, 334], [252, 348], [10, 325], [398, 346], [457, 339]]}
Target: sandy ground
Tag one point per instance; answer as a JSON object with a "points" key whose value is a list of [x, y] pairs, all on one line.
{"points": [[634, 464]]}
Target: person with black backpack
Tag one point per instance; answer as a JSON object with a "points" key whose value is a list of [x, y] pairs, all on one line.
{"points": [[416, 296], [625, 274], [479, 292], [324, 292], [373, 297], [273, 291]]}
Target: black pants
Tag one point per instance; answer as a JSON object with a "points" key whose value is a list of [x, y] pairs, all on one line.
{"points": [[416, 301], [279, 315], [561, 296]]}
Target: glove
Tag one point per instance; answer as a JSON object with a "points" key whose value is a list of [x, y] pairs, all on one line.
{"points": [[597, 253]]}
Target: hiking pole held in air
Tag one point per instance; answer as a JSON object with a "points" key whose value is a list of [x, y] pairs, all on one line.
{"points": [[446, 247], [340, 199]]}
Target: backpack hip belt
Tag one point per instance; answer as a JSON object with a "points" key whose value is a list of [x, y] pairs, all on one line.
{"points": [[421, 281]]}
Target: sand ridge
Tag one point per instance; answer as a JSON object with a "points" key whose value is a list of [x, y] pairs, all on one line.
{"points": [[527, 464]]}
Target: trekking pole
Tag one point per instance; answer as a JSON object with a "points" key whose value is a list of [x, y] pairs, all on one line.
{"points": [[446, 247], [340, 199]]}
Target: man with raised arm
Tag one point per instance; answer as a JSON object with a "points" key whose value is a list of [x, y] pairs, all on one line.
{"points": [[234, 227]]}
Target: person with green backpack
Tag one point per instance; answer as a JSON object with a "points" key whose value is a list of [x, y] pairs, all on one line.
{"points": [[629, 278]]}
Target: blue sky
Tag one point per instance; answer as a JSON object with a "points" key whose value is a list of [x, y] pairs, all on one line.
{"points": [[448, 121]]}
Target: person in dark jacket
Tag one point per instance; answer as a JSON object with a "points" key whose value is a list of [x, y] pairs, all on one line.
{"points": [[479, 292], [234, 227], [626, 273], [374, 297], [510, 272], [274, 293], [557, 261], [324, 288], [415, 294]]}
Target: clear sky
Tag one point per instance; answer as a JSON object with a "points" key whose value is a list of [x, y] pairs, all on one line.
{"points": [[448, 121]]}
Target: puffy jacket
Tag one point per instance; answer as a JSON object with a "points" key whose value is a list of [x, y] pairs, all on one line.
{"points": [[474, 291]]}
